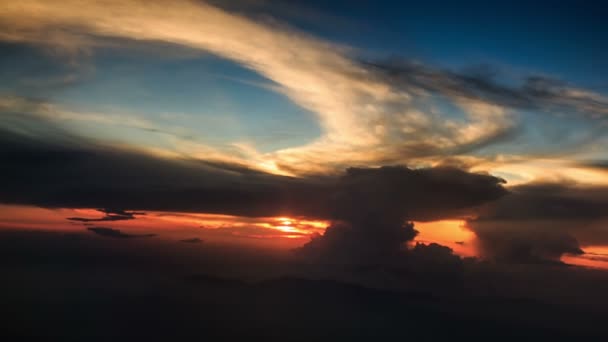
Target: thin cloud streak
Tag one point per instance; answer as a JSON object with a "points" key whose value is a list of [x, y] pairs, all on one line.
{"points": [[115, 233]]}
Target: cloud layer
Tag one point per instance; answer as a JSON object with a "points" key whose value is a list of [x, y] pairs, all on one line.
{"points": [[83, 175], [541, 222]]}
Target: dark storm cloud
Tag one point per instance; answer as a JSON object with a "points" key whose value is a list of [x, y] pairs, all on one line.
{"points": [[54, 173], [418, 194], [597, 164], [541, 222], [78, 174], [535, 92], [371, 206], [110, 215], [368, 206], [566, 201], [115, 233], [522, 244]]}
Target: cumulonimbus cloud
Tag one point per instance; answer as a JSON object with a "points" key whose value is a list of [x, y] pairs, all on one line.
{"points": [[542, 221], [371, 209]]}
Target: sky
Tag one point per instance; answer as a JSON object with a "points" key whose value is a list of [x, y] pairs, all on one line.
{"points": [[311, 124], [303, 170]]}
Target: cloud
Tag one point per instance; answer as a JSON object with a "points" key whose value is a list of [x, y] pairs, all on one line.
{"points": [[77, 173], [81, 174], [524, 245], [305, 67], [250, 232], [110, 215], [365, 118], [535, 92], [597, 164], [433, 257], [371, 113], [371, 209], [540, 222], [191, 240], [115, 233], [41, 111], [195, 292], [419, 194]]}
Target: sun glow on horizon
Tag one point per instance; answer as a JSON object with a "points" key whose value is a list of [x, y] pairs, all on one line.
{"points": [[281, 232], [451, 233]]}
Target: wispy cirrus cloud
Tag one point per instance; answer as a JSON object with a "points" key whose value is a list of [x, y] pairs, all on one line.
{"points": [[364, 117], [371, 113], [54, 123], [534, 92], [56, 113]]}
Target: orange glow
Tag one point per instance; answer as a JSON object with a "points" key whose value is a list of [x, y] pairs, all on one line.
{"points": [[271, 232], [451, 233], [285, 220], [274, 232], [595, 257], [279, 232]]}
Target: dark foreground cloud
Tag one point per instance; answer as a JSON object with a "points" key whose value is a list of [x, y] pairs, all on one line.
{"points": [[115, 233], [157, 290], [541, 222]]}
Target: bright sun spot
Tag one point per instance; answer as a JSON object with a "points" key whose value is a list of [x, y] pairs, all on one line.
{"points": [[285, 221], [286, 225]]}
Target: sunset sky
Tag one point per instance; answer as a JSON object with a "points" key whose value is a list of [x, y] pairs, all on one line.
{"points": [[303, 170], [262, 122]]}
